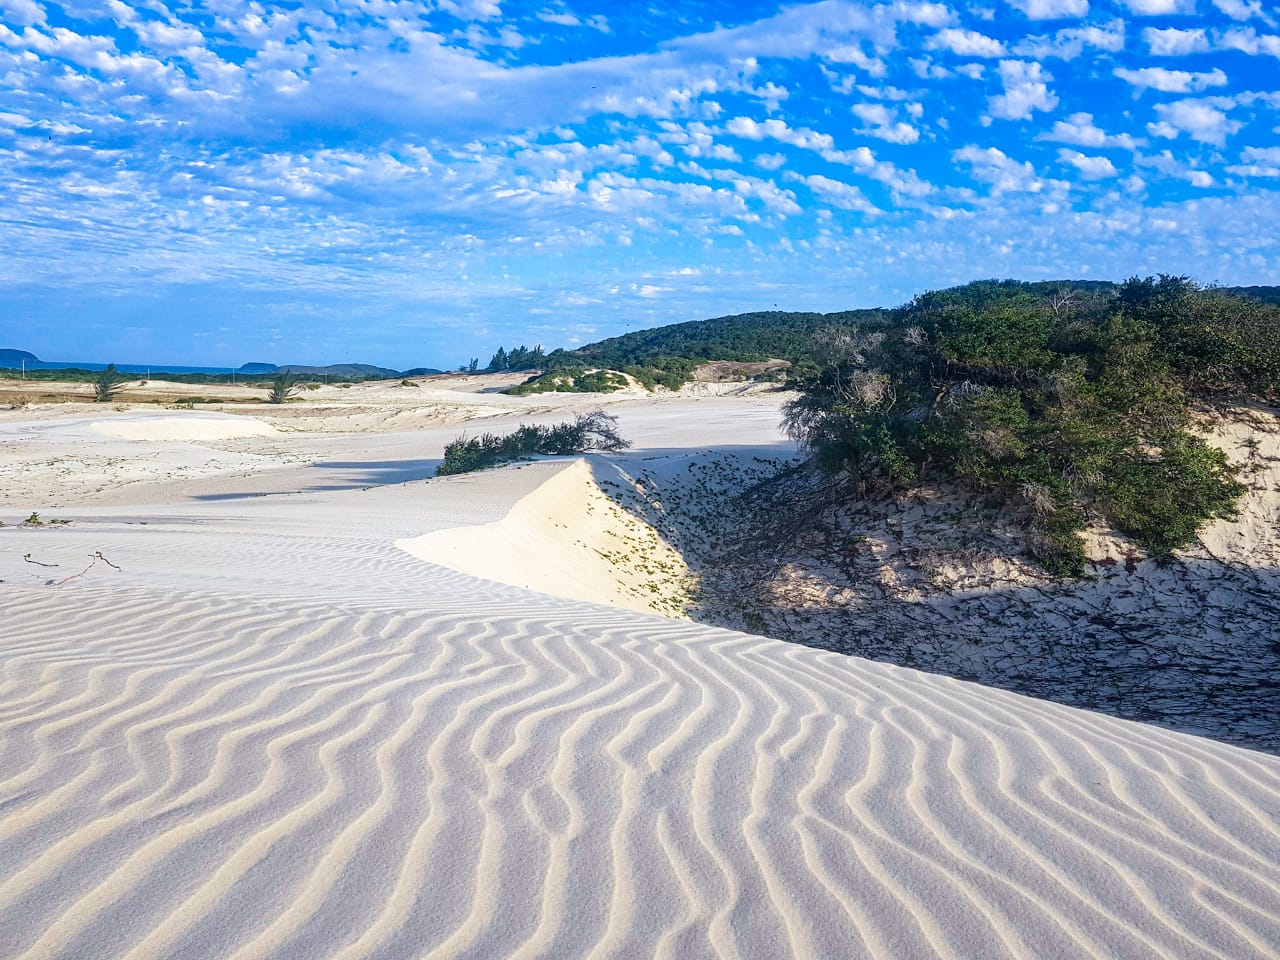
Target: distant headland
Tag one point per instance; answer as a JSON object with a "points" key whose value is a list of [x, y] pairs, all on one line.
{"points": [[12, 359]]}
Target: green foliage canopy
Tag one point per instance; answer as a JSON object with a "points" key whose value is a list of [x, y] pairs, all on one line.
{"points": [[1063, 401]]}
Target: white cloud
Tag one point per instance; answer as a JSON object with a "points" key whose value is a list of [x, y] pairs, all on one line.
{"points": [[1242, 9], [1172, 42], [1080, 130], [854, 54], [1171, 81], [993, 166], [965, 43], [1050, 9], [801, 137], [882, 122], [1026, 89], [1203, 120], [1200, 178], [1069, 43], [1160, 8], [1247, 40], [1261, 154], [770, 161], [1091, 168], [472, 9], [838, 193], [22, 13]]}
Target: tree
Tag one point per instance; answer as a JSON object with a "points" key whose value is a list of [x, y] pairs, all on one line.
{"points": [[282, 388], [107, 384]]}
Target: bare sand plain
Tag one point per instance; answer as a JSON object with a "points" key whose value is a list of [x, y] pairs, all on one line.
{"points": [[263, 696]]}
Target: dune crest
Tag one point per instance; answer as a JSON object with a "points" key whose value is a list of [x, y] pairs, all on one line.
{"points": [[568, 538]]}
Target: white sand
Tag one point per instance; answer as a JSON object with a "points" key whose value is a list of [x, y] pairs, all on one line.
{"points": [[193, 428], [569, 539], [274, 733]]}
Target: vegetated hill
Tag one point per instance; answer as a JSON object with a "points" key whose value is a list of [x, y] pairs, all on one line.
{"points": [[1265, 294], [790, 335], [339, 370], [15, 358], [764, 335]]}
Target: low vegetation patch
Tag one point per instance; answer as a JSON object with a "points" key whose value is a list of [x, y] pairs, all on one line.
{"points": [[588, 431], [571, 381]]}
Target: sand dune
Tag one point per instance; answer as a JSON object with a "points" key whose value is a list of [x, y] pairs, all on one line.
{"points": [[274, 733], [570, 539]]}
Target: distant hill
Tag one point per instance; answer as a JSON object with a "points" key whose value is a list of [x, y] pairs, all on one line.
{"points": [[668, 355], [338, 370], [763, 335], [253, 368], [787, 335], [1265, 294], [15, 358]]}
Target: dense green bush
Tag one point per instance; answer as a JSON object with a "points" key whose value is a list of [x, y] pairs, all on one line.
{"points": [[596, 430], [571, 380], [1064, 402]]}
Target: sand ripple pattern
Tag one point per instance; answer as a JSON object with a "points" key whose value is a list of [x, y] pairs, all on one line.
{"points": [[192, 776]]}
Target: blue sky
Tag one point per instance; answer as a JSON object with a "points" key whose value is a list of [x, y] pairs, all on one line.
{"points": [[416, 183]]}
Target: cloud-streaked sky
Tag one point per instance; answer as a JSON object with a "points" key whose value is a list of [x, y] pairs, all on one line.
{"points": [[416, 183]]}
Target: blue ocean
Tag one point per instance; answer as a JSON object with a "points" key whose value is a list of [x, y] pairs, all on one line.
{"points": [[140, 368]]}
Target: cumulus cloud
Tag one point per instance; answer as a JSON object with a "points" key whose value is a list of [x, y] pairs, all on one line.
{"points": [[1026, 89], [1091, 168], [22, 13], [1242, 9], [1069, 43], [1160, 8], [991, 165], [1173, 42], [965, 43], [882, 123], [472, 9], [1080, 130], [1247, 40], [1204, 120], [1171, 81], [846, 196], [779, 130], [1050, 9]]}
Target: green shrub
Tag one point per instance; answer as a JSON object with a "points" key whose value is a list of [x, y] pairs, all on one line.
{"points": [[588, 431], [1062, 407]]}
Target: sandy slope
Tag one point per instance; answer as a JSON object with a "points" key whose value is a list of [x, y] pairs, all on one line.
{"points": [[274, 733]]}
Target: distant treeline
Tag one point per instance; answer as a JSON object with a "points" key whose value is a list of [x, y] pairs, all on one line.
{"points": [[668, 355]]}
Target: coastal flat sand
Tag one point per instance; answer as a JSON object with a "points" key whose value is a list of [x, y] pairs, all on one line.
{"points": [[274, 731]]}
